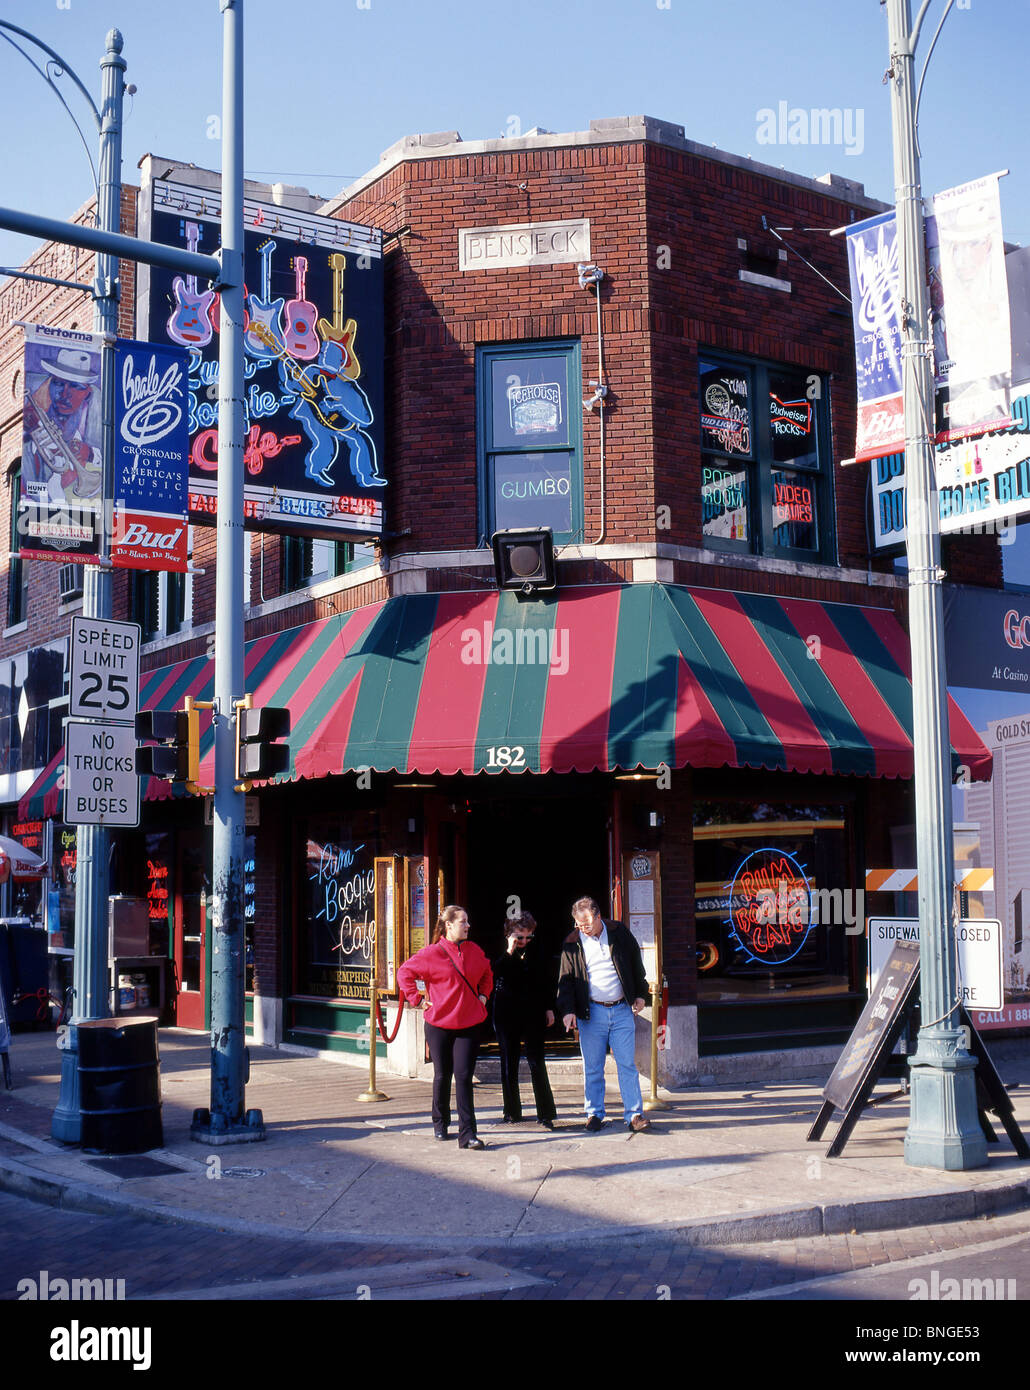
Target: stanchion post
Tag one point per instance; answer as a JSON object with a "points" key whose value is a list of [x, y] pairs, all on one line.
{"points": [[372, 1094]]}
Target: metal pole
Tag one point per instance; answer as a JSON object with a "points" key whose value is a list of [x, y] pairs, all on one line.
{"points": [[92, 846], [944, 1131], [227, 1122]]}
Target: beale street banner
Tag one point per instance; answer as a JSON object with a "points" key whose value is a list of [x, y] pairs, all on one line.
{"points": [[983, 484], [151, 457], [970, 301], [62, 464], [875, 295], [313, 390]]}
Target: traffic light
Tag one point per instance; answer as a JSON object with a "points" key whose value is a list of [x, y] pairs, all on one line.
{"points": [[258, 756], [175, 735]]}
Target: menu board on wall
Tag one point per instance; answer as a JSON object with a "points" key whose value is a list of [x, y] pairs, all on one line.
{"points": [[642, 877]]}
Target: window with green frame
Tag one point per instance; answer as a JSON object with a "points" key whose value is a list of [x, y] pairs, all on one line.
{"points": [[310, 561], [765, 459], [17, 579], [529, 438], [158, 602]]}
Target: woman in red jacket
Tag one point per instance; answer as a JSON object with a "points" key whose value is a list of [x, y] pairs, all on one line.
{"points": [[458, 982]]}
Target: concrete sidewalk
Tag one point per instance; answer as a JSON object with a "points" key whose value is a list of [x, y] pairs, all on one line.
{"points": [[722, 1164]]}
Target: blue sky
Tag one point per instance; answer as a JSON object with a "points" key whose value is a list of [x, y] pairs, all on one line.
{"points": [[332, 83]]}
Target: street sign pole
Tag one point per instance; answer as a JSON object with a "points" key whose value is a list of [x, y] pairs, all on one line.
{"points": [[227, 1121], [943, 1131], [90, 971]]}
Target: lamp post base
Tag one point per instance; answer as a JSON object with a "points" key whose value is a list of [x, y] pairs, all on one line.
{"points": [[66, 1125], [944, 1128], [212, 1128]]}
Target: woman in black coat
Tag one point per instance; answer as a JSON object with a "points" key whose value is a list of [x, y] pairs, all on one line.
{"points": [[523, 999]]}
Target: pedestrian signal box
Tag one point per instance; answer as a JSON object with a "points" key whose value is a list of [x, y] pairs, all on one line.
{"points": [[258, 755]]}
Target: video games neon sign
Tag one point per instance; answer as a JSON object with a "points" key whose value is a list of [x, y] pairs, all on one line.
{"points": [[770, 906]]}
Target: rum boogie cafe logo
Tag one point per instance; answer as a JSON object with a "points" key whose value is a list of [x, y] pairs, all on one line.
{"points": [[770, 912]]}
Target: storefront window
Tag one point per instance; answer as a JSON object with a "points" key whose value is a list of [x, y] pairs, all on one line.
{"points": [[62, 931], [775, 905], [160, 903], [338, 910]]}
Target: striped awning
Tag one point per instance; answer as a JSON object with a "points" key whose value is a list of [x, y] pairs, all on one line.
{"points": [[614, 677]]}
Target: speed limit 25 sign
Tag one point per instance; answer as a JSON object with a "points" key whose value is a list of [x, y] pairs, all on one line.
{"points": [[104, 670]]}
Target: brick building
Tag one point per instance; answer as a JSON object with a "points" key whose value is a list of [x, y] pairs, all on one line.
{"points": [[712, 701]]}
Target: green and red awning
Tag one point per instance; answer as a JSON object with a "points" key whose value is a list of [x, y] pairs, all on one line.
{"points": [[615, 677]]}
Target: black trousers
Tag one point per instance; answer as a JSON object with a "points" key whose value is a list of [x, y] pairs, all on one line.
{"points": [[454, 1052], [513, 1028]]}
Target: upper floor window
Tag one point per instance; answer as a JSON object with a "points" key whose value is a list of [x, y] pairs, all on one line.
{"points": [[161, 601], [529, 438], [308, 562], [765, 459]]}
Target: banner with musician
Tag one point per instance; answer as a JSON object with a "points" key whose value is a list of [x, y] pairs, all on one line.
{"points": [[62, 460], [314, 351]]}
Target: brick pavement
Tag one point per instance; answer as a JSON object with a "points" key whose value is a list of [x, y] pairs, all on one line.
{"points": [[158, 1257]]}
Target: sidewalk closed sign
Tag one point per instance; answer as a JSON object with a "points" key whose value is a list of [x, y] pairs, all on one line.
{"points": [[101, 786], [979, 955]]}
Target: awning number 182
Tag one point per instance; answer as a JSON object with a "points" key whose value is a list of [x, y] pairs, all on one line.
{"points": [[505, 755]]}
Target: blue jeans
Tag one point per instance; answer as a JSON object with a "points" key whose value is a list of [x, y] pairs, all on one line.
{"points": [[615, 1028]]}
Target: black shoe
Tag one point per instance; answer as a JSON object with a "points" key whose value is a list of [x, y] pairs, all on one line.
{"points": [[511, 1119], [439, 1134], [547, 1124], [473, 1143], [594, 1123]]}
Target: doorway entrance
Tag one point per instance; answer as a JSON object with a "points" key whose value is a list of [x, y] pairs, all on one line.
{"points": [[193, 882], [544, 850]]}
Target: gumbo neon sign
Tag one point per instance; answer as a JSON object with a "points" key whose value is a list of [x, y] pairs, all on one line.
{"points": [[770, 906]]}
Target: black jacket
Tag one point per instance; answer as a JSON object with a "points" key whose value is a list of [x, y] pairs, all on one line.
{"points": [[574, 984], [523, 983]]}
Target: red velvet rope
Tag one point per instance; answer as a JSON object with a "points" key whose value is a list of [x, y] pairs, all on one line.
{"points": [[382, 1026]]}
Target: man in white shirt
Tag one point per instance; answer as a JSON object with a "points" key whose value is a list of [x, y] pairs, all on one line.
{"points": [[601, 985]]}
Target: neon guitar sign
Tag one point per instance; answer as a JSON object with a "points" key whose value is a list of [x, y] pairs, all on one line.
{"points": [[300, 337], [189, 324]]}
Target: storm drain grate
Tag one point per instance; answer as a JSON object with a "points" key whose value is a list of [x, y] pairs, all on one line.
{"points": [[134, 1166]]}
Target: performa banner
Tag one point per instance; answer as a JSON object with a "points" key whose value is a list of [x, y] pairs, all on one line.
{"points": [[875, 295], [152, 444], [969, 288], [313, 390], [62, 462]]}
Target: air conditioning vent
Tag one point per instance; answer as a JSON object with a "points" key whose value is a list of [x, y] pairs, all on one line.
{"points": [[69, 579]]}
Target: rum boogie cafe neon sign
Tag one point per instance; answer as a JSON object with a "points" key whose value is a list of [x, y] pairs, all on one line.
{"points": [[771, 906]]}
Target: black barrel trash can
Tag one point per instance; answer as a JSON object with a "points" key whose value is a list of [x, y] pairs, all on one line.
{"points": [[120, 1085]]}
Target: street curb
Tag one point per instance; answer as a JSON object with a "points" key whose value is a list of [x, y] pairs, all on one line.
{"points": [[782, 1223]]}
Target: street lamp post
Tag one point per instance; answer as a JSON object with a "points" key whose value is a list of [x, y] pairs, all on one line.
{"points": [[944, 1129], [90, 971]]}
